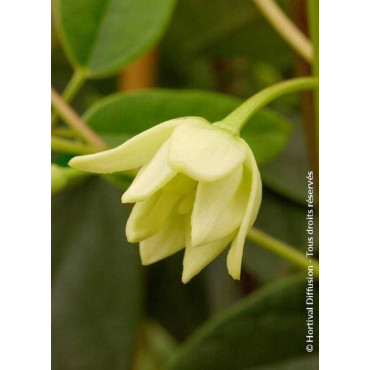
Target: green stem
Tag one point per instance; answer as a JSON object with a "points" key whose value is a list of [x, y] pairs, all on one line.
{"points": [[65, 132], [283, 250], [74, 85], [235, 121], [67, 146], [70, 91], [286, 28]]}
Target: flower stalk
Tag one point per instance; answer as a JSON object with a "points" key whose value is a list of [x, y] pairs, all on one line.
{"points": [[283, 250], [235, 121]]}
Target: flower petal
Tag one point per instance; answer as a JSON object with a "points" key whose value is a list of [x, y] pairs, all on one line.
{"points": [[147, 217], [253, 180], [204, 152], [168, 241], [150, 178], [219, 208], [132, 154], [187, 203], [196, 258]]}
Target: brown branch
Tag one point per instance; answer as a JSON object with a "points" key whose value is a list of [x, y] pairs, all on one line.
{"points": [[68, 114]]}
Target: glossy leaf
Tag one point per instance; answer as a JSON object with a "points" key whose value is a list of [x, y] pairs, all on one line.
{"points": [[96, 284], [267, 329], [122, 116], [101, 36]]}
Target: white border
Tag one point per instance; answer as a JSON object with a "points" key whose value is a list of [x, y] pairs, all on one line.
{"points": [[25, 185], [344, 183]]}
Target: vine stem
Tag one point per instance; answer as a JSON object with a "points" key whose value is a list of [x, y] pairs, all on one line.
{"points": [[235, 121], [74, 85], [75, 122], [70, 91], [286, 28], [283, 250], [68, 146], [64, 132]]}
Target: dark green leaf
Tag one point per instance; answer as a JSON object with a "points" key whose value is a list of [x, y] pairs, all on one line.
{"points": [[96, 284], [267, 329], [101, 36], [121, 116], [179, 307]]}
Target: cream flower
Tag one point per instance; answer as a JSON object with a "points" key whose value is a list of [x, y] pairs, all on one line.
{"points": [[198, 187]]}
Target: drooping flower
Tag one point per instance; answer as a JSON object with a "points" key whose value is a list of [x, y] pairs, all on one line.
{"points": [[198, 187]]}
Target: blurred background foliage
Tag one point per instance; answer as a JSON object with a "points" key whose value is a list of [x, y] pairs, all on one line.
{"points": [[190, 57]]}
